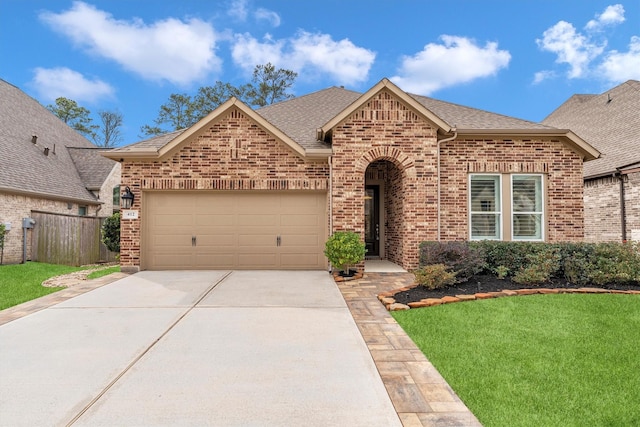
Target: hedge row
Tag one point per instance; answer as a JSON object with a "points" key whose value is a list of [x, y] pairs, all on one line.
{"points": [[536, 262]]}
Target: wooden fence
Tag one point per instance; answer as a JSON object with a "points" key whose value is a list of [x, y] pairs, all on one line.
{"points": [[68, 239]]}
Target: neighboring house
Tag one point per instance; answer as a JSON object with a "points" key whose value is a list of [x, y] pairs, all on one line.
{"points": [[247, 189], [46, 166], [610, 122]]}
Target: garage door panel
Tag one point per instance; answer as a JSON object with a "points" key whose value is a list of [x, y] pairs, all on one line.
{"points": [[204, 220], [234, 230]]}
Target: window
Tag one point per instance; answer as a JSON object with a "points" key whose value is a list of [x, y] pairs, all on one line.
{"points": [[486, 215], [527, 202], [116, 198], [521, 203], [82, 210]]}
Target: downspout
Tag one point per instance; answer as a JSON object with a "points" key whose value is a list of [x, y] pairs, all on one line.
{"points": [[454, 129], [330, 199], [623, 213]]}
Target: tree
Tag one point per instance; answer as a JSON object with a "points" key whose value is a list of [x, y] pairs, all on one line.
{"points": [[109, 134], [272, 84], [177, 112], [73, 115]]}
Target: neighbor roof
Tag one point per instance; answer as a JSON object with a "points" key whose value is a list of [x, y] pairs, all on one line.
{"points": [[25, 167], [609, 121], [302, 119]]}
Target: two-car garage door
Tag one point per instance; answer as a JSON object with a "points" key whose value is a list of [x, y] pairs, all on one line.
{"points": [[234, 230]]}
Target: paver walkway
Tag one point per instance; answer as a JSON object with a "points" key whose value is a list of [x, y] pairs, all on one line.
{"points": [[419, 393]]}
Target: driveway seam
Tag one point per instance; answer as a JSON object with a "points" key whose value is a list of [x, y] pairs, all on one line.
{"points": [[146, 350]]}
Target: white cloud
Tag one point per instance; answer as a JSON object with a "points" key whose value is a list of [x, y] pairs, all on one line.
{"points": [[611, 15], [238, 10], [570, 47], [52, 83], [177, 51], [582, 50], [540, 76], [457, 60], [267, 15], [308, 54], [619, 67]]}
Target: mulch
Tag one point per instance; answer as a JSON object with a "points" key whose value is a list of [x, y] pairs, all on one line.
{"points": [[490, 283]]}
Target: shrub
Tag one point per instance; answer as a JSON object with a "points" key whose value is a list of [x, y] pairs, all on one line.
{"points": [[541, 266], [514, 256], [435, 276], [578, 262], [464, 260], [111, 232], [344, 249], [616, 263]]}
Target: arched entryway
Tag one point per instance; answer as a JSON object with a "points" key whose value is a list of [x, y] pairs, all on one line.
{"points": [[384, 210]]}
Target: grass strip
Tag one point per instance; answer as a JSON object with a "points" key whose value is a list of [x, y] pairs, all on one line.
{"points": [[22, 282], [543, 360], [103, 272]]}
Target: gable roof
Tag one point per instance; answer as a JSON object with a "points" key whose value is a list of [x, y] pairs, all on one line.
{"points": [[26, 169], [165, 145], [306, 119], [609, 121]]}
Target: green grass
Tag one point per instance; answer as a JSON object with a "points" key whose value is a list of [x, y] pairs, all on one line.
{"points": [[104, 272], [22, 282], [545, 360]]}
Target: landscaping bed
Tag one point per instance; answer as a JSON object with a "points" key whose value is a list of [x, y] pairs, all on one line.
{"points": [[486, 283]]}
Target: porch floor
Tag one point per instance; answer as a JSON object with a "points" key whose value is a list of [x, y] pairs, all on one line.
{"points": [[382, 266]]}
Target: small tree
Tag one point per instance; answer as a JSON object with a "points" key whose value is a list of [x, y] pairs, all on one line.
{"points": [[344, 249], [111, 232]]}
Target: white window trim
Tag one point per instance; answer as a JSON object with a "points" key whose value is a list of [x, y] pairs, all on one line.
{"points": [[500, 212], [542, 214]]}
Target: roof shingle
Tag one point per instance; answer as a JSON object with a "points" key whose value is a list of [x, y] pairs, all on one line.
{"points": [[609, 121]]}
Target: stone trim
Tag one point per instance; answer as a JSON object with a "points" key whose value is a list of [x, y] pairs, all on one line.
{"points": [[388, 300]]}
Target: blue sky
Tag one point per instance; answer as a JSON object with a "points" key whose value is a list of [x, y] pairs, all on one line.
{"points": [[520, 58]]}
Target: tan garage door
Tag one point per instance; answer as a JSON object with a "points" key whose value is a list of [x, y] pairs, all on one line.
{"points": [[227, 230]]}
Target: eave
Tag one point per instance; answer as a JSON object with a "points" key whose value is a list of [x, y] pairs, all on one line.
{"points": [[582, 147]]}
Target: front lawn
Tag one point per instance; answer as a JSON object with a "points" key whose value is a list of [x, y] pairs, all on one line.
{"points": [[22, 282], [544, 360]]}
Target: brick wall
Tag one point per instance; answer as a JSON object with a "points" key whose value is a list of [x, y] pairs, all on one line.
{"points": [[561, 166], [632, 205], [385, 129], [602, 208], [234, 153], [106, 192], [14, 207]]}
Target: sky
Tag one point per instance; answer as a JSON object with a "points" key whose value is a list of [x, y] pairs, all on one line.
{"points": [[520, 58]]}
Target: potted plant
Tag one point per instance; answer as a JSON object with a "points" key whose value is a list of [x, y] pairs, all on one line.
{"points": [[344, 249]]}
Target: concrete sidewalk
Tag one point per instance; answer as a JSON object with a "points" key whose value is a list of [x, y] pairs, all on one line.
{"points": [[194, 348]]}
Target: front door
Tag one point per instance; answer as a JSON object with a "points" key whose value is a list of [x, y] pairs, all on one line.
{"points": [[372, 220]]}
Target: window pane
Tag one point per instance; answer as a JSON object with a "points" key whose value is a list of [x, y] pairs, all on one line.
{"points": [[527, 193], [485, 226], [527, 207], [485, 206], [116, 197], [527, 226]]}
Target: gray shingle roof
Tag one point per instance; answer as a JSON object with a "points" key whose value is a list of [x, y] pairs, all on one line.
{"points": [[24, 166], [300, 117], [609, 121], [93, 168]]}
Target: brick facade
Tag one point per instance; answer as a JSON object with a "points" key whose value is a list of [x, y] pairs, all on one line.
{"points": [[603, 219], [234, 153], [561, 166], [385, 142]]}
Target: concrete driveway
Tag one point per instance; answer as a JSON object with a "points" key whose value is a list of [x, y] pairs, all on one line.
{"points": [[242, 348]]}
